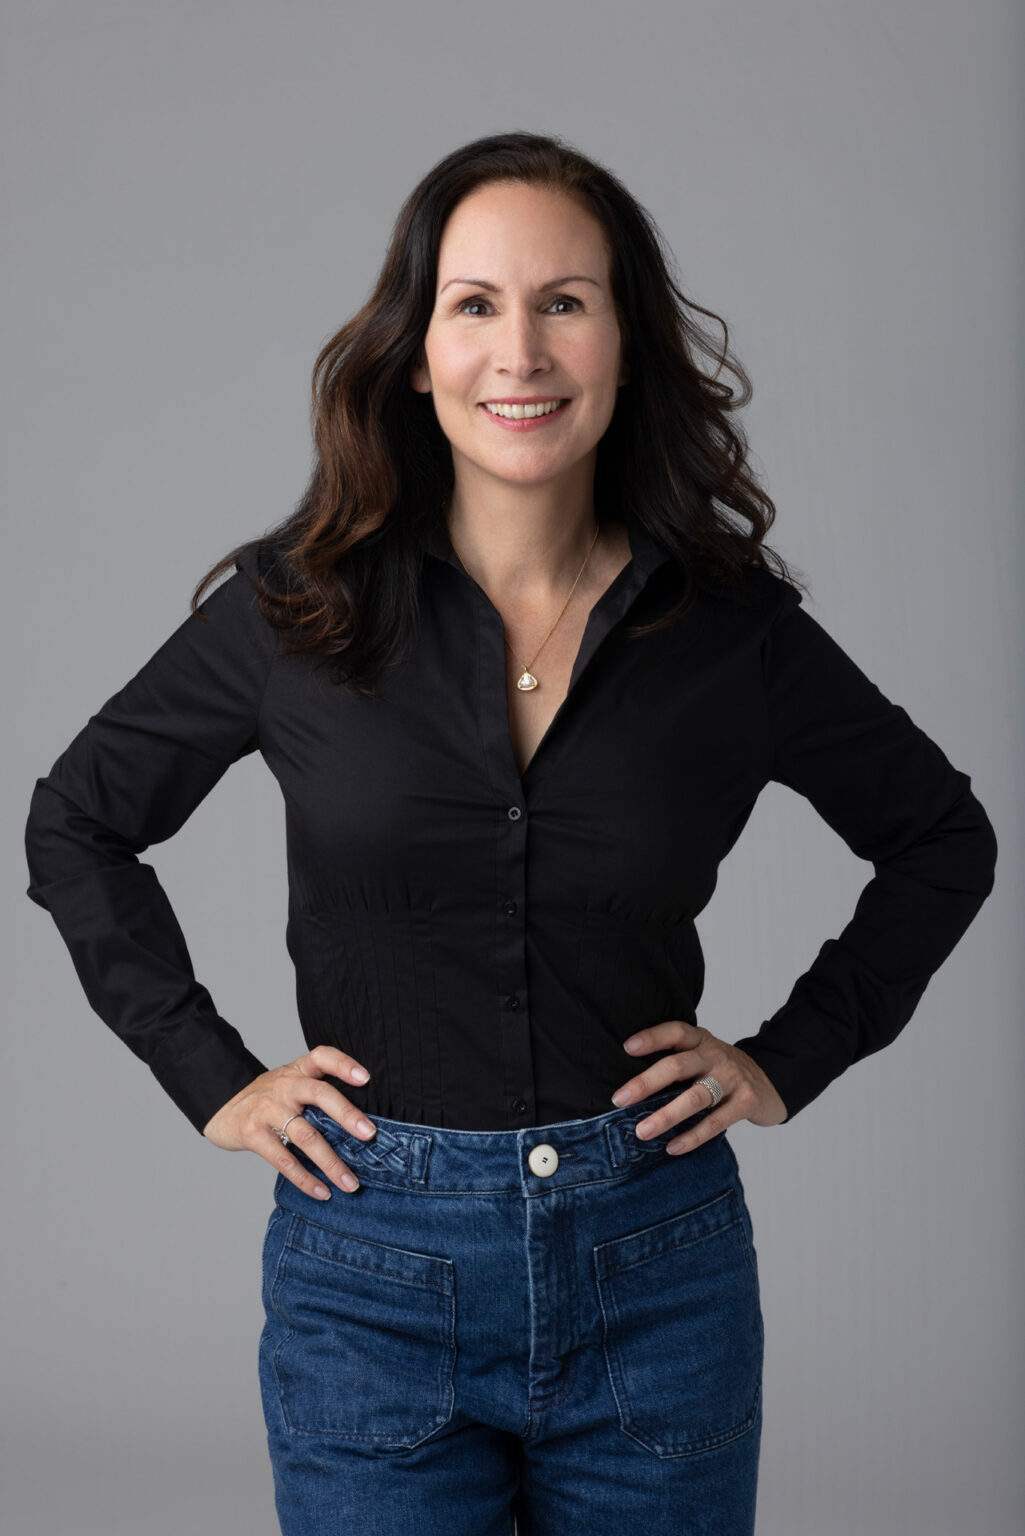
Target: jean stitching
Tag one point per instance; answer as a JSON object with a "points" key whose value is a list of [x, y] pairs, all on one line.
{"points": [[615, 1365], [445, 1371]]}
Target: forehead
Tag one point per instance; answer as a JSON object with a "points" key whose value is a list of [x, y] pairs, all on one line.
{"points": [[522, 229]]}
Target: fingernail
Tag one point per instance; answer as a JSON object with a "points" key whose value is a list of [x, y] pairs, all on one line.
{"points": [[622, 1096], [631, 1044], [365, 1127], [349, 1181], [320, 1192], [361, 1074]]}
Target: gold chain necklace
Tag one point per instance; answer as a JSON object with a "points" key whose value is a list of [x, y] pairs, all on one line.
{"points": [[527, 680]]}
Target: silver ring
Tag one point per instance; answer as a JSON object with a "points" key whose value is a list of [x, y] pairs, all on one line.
{"points": [[286, 1141], [714, 1087]]}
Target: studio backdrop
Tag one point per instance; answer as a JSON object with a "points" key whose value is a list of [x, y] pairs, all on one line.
{"points": [[193, 199]]}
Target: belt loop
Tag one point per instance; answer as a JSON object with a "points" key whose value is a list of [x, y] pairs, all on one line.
{"points": [[621, 1144], [419, 1156]]}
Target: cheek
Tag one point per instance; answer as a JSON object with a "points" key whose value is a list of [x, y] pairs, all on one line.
{"points": [[594, 362], [457, 363]]}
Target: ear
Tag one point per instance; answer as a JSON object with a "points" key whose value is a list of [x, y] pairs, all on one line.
{"points": [[420, 379]]}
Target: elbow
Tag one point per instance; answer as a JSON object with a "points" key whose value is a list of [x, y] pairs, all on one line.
{"points": [[62, 841], [42, 841], [958, 852], [65, 839], [970, 847], [976, 841], [987, 851]]}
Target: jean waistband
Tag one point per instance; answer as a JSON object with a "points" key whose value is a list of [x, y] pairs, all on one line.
{"points": [[436, 1158]]}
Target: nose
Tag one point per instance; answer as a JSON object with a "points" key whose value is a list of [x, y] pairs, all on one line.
{"points": [[520, 346]]}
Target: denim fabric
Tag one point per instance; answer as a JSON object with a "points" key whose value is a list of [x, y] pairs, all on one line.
{"points": [[468, 1347]]}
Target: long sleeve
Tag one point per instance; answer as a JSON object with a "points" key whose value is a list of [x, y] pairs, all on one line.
{"points": [[889, 791], [130, 778]]}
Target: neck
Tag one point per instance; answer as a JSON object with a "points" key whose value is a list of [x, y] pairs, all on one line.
{"points": [[522, 552]]}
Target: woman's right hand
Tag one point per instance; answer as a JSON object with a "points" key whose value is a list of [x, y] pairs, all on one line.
{"points": [[246, 1122]]}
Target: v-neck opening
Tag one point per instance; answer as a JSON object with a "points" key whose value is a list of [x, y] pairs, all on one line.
{"points": [[609, 592], [646, 555]]}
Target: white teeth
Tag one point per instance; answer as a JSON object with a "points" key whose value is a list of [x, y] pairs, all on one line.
{"points": [[521, 412]]}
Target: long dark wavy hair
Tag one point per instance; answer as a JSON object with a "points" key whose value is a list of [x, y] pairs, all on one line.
{"points": [[343, 570]]}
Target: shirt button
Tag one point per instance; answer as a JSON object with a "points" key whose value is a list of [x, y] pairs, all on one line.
{"points": [[543, 1160], [514, 813], [509, 908], [519, 1106], [512, 1001]]}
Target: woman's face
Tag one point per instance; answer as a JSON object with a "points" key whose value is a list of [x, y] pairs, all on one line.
{"points": [[523, 309]]}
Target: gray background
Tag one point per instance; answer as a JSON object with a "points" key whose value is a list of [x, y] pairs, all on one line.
{"points": [[194, 198]]}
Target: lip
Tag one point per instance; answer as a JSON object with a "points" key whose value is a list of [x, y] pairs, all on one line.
{"points": [[525, 423]]}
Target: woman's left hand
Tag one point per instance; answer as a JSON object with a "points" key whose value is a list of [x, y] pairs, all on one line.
{"points": [[747, 1092]]}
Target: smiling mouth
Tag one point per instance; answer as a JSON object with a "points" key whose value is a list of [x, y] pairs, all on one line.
{"points": [[524, 413]]}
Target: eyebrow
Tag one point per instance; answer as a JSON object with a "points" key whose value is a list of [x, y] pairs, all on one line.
{"points": [[480, 282]]}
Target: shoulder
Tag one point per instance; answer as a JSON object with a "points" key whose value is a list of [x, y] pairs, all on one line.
{"points": [[776, 595], [261, 561], [759, 590], [235, 608]]}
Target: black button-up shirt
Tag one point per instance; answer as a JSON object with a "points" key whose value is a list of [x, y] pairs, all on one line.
{"points": [[484, 942]]}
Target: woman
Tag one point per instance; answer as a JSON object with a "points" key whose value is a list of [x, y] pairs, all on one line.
{"points": [[521, 668]]}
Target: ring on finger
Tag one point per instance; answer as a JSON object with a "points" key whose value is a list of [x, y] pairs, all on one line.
{"points": [[285, 1139], [647, 1127], [694, 1137]]}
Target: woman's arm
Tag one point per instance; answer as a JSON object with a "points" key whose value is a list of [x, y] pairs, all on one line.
{"points": [[893, 796], [131, 777]]}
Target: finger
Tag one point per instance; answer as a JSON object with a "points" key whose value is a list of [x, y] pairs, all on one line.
{"points": [[657, 1036], [668, 1069], [328, 1060], [320, 1151], [270, 1146], [658, 1075], [334, 1104], [687, 1103], [721, 1117]]}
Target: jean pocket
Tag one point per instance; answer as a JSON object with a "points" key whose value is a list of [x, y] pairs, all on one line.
{"points": [[682, 1328], [361, 1337]]}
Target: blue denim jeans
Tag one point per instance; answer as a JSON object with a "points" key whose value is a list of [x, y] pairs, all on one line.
{"points": [[543, 1332]]}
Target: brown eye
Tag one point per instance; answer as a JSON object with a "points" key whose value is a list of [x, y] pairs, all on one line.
{"points": [[562, 298]]}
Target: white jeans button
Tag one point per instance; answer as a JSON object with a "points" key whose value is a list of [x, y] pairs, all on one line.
{"points": [[543, 1159]]}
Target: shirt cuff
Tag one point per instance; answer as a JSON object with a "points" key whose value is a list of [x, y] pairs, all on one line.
{"points": [[202, 1071]]}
